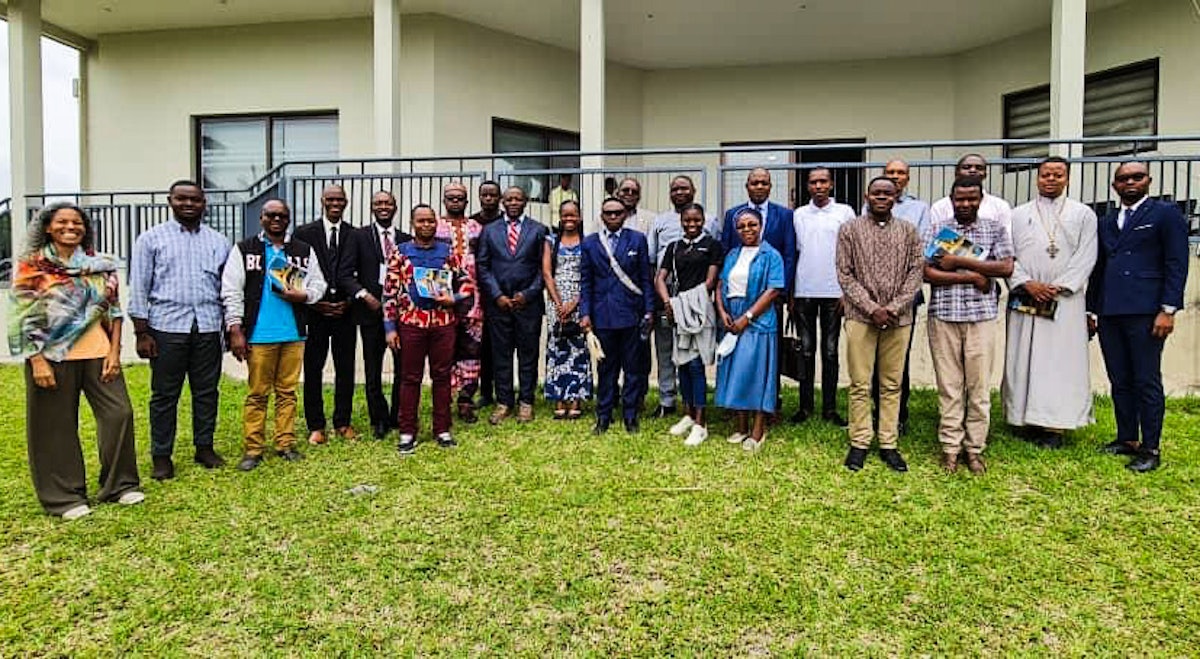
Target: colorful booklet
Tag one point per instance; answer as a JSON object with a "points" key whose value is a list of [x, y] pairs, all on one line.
{"points": [[287, 277], [1020, 301], [949, 241], [432, 282]]}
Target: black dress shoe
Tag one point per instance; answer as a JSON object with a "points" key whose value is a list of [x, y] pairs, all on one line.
{"points": [[836, 419], [631, 426], [1144, 461], [666, 412], [893, 459], [855, 458], [601, 427], [249, 462], [291, 455], [164, 468], [1118, 447], [800, 416], [206, 457]]}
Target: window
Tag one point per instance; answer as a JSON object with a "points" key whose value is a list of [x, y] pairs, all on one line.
{"points": [[1121, 101], [234, 152], [514, 137]]}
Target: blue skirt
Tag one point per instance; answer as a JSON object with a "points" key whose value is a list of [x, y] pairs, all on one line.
{"points": [[746, 378]]}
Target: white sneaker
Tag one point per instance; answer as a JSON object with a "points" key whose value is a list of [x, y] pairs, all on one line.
{"points": [[736, 438], [75, 513], [697, 436], [751, 444], [682, 426], [131, 498]]}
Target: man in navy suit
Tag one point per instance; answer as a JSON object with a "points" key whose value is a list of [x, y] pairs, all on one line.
{"points": [[616, 302], [509, 266], [360, 278], [778, 230], [1136, 289]]}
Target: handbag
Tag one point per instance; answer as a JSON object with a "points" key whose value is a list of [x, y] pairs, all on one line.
{"points": [[791, 352]]}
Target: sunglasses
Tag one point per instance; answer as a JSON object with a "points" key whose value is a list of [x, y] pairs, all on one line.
{"points": [[276, 215], [612, 213]]}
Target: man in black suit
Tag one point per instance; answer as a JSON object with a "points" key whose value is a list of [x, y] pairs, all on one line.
{"points": [[329, 324], [1135, 290], [509, 266], [360, 279]]}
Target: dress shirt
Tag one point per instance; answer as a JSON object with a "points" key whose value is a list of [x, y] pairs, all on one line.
{"points": [[1126, 211], [175, 278], [816, 248]]}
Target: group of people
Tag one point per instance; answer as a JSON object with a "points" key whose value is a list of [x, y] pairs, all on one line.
{"points": [[467, 294]]}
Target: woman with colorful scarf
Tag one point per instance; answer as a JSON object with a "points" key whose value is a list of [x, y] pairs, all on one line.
{"points": [[66, 321]]}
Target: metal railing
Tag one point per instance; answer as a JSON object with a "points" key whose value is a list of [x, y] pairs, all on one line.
{"points": [[718, 173]]}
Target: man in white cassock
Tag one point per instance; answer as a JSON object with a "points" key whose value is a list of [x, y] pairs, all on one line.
{"points": [[1047, 385]]}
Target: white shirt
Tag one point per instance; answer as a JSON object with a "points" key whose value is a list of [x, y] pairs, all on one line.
{"points": [[1126, 211], [992, 207], [816, 246], [739, 274], [391, 234]]}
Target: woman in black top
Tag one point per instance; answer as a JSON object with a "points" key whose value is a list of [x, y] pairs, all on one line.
{"points": [[685, 282]]}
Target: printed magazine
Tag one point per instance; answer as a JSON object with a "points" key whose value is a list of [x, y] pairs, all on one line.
{"points": [[431, 282], [949, 241]]}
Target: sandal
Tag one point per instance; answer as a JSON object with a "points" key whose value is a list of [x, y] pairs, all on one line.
{"points": [[574, 413], [560, 414]]}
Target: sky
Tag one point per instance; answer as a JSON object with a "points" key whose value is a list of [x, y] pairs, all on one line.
{"points": [[60, 116]]}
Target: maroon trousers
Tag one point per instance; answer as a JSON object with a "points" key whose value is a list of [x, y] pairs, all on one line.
{"points": [[436, 344]]}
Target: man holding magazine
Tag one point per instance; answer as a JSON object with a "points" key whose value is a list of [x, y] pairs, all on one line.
{"points": [[1047, 384], [964, 256]]}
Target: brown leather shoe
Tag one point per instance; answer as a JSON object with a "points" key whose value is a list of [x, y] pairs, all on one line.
{"points": [[976, 464], [499, 414], [950, 462], [317, 437], [347, 433], [525, 413]]}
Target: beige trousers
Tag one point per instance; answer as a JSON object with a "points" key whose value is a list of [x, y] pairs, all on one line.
{"points": [[273, 367], [962, 360], [868, 348]]}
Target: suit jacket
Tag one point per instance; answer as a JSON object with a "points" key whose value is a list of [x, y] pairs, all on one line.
{"points": [[1142, 266], [314, 234], [503, 273], [602, 297], [779, 232], [358, 269]]}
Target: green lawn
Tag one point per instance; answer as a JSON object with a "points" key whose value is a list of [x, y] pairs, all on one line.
{"points": [[547, 541]]}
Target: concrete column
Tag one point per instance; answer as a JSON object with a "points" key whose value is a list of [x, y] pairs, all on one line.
{"points": [[25, 108], [387, 77], [591, 104], [1068, 50]]}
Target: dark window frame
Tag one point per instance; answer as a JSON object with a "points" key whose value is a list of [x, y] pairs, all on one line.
{"points": [[548, 136], [1150, 66], [270, 117]]}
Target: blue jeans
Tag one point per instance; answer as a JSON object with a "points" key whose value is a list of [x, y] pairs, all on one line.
{"points": [[692, 384]]}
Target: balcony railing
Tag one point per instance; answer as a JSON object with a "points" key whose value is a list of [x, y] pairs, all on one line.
{"points": [[719, 175]]}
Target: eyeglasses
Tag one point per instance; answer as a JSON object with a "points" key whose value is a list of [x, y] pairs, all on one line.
{"points": [[629, 190], [277, 215], [454, 198], [1130, 178], [612, 213]]}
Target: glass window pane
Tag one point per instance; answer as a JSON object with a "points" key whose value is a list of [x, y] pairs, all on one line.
{"points": [[233, 153], [304, 138], [735, 180]]}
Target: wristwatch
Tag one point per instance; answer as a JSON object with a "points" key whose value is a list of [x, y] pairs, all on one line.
{"points": [[749, 315], [1169, 310]]}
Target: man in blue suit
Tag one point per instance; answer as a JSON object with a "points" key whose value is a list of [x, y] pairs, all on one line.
{"points": [[616, 302], [1135, 291], [778, 230], [508, 263]]}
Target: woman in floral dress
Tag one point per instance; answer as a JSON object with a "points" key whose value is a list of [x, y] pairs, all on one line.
{"points": [[568, 364]]}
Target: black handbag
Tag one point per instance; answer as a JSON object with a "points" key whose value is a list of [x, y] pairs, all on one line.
{"points": [[791, 357]]}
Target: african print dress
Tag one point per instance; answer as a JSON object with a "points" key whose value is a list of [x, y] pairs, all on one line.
{"points": [[568, 364], [463, 238]]}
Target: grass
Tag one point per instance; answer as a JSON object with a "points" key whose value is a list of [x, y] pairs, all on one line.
{"points": [[543, 540]]}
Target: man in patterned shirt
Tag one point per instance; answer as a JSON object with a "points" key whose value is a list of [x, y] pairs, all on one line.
{"points": [[962, 320], [175, 303]]}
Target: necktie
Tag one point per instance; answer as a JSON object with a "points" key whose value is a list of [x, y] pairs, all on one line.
{"points": [[612, 243], [514, 232], [388, 246], [333, 242], [1122, 217]]}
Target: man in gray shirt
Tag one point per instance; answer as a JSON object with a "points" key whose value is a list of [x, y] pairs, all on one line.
{"points": [[665, 230]]}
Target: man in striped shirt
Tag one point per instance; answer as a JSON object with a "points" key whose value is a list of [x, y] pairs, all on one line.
{"points": [[175, 303]]}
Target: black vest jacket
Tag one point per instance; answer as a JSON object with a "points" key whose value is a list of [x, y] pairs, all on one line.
{"points": [[254, 252]]}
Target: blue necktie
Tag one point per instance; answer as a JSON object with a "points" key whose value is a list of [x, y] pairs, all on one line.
{"points": [[612, 243]]}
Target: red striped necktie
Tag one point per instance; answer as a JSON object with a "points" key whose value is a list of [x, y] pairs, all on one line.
{"points": [[514, 231]]}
